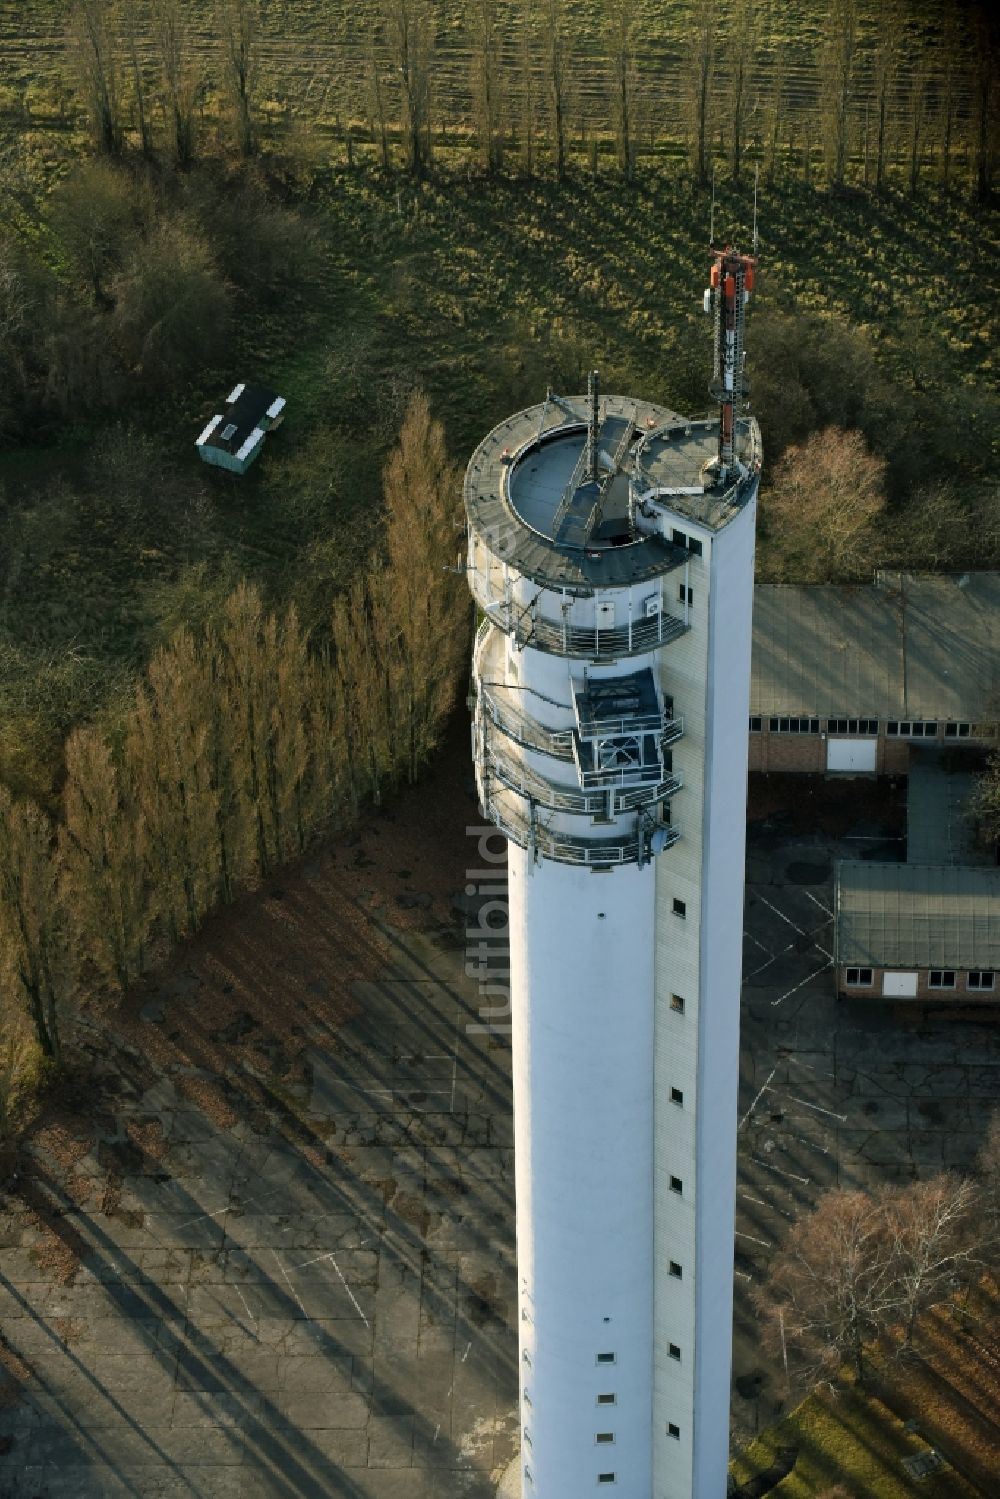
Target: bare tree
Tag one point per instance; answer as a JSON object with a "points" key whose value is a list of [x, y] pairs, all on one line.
{"points": [[888, 51], [527, 46], [820, 509], [35, 965], [953, 48], [984, 101], [743, 72], [483, 24], [238, 24], [181, 85], [931, 1227], [775, 115], [621, 29], [554, 46], [410, 31], [988, 1168], [376, 91], [698, 72], [132, 30], [830, 1289], [919, 106], [837, 85], [92, 52]]}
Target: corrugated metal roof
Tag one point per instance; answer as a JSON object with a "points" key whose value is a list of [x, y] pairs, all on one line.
{"points": [[917, 916], [938, 828], [905, 647]]}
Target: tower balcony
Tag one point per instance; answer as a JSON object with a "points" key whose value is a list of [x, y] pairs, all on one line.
{"points": [[524, 824], [528, 627], [622, 730], [621, 792]]}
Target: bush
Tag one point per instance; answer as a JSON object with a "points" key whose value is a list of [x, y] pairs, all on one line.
{"points": [[172, 306]]}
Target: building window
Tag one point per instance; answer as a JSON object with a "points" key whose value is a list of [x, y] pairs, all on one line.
{"points": [[606, 1478], [674, 1351], [676, 1270], [680, 907], [907, 728], [676, 1185], [957, 730], [859, 978], [941, 978], [694, 546], [673, 1431], [678, 538], [979, 978], [607, 1358], [685, 594], [852, 726], [677, 1003], [756, 724], [604, 1436], [676, 1096], [793, 725], [607, 1399]]}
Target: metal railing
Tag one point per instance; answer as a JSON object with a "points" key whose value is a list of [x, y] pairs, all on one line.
{"points": [[567, 848], [592, 800], [560, 638]]}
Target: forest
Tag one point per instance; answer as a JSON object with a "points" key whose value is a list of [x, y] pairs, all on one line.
{"points": [[410, 219]]}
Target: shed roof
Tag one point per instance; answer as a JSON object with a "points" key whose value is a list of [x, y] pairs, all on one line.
{"points": [[906, 647], [246, 406], [917, 915]]}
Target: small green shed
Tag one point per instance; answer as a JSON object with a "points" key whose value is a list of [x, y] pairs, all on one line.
{"points": [[233, 439]]}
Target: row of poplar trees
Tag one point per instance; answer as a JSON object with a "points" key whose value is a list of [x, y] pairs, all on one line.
{"points": [[245, 743]]}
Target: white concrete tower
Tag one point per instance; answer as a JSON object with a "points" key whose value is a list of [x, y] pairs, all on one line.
{"points": [[611, 553]]}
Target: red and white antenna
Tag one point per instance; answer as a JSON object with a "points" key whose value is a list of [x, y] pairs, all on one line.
{"points": [[732, 281]]}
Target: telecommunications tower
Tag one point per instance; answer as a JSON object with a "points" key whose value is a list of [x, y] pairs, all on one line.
{"points": [[611, 548]]}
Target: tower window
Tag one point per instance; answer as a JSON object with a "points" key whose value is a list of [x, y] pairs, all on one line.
{"points": [[676, 1270], [674, 1352], [677, 1003], [676, 1096], [673, 1431], [604, 1436], [606, 1478], [609, 1399], [680, 907], [685, 594], [607, 1358], [676, 1185]]}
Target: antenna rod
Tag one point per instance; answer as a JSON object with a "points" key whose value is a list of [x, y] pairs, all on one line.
{"points": [[593, 384], [756, 179], [711, 221], [727, 295]]}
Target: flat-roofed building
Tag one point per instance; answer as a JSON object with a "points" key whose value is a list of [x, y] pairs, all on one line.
{"points": [[849, 678]]}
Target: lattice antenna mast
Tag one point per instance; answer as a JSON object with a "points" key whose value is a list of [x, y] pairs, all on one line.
{"points": [[726, 297], [593, 424]]}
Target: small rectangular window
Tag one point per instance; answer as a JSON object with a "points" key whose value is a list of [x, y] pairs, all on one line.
{"points": [[674, 1351], [980, 978], [957, 730], [680, 907], [694, 546], [604, 1436], [941, 978], [859, 978], [678, 538], [672, 1430], [676, 1270], [685, 594], [756, 724], [676, 1096], [606, 1358], [605, 1478], [609, 1399], [677, 1003], [676, 1185]]}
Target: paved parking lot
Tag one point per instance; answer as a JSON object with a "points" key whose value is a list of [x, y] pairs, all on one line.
{"points": [[833, 1093]]}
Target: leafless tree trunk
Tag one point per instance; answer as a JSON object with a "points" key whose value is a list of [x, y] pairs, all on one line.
{"points": [[376, 93], [984, 102], [526, 68], [554, 45], [953, 66], [487, 72], [698, 70], [132, 30], [919, 102], [238, 23], [35, 964], [410, 29], [837, 74], [887, 56], [92, 53], [621, 40], [932, 1231], [179, 82], [742, 88]]}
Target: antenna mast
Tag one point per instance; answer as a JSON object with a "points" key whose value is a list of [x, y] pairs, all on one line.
{"points": [[726, 297]]}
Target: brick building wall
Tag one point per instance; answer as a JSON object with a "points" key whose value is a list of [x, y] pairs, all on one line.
{"points": [[961, 994], [806, 753]]}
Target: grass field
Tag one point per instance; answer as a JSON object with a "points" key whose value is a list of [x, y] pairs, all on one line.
{"points": [[948, 1390]]}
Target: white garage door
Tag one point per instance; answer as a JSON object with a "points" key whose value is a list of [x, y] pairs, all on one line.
{"points": [[851, 754], [899, 985]]}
